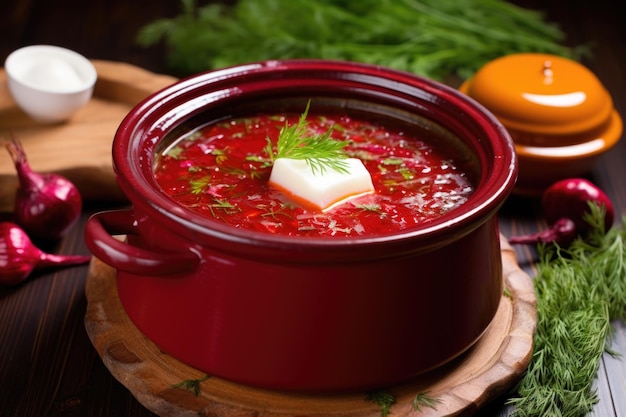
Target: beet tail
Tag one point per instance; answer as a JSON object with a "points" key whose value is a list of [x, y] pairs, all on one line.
{"points": [[562, 232], [52, 260]]}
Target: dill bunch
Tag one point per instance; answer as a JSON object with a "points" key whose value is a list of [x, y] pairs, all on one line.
{"points": [[432, 38], [580, 290]]}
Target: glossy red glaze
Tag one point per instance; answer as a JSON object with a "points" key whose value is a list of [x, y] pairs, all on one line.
{"points": [[308, 314]]}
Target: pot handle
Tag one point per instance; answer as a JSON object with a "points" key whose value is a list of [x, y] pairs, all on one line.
{"points": [[99, 237]]}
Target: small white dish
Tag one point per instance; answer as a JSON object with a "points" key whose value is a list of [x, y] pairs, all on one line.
{"points": [[49, 83]]}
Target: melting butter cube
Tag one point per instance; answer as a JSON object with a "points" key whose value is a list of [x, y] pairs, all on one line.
{"points": [[320, 190]]}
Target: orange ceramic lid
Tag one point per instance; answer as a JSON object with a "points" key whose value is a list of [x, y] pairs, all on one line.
{"points": [[546, 96]]}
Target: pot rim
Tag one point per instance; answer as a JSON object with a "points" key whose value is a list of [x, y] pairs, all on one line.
{"points": [[162, 111]]}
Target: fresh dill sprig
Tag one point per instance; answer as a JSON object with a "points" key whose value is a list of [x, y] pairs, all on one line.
{"points": [[320, 151], [191, 385], [384, 399], [580, 290], [423, 399]]}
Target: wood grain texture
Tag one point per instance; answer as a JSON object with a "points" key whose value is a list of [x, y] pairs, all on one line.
{"points": [[488, 369], [79, 149]]}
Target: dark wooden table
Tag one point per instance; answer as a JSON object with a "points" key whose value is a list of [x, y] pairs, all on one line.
{"points": [[48, 366]]}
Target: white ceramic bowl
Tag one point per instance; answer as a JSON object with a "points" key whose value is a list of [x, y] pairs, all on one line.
{"points": [[49, 83]]}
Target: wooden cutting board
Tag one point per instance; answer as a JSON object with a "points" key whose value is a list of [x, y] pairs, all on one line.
{"points": [[488, 370], [80, 148]]}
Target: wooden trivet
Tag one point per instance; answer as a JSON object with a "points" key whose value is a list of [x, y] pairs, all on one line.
{"points": [[486, 371]]}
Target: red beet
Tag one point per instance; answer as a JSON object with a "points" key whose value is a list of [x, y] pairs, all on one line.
{"points": [[565, 204], [46, 205], [19, 257]]}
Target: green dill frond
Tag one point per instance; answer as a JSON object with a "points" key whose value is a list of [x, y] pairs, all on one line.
{"points": [[580, 290], [422, 400], [432, 38], [384, 399], [191, 385], [320, 151], [198, 186]]}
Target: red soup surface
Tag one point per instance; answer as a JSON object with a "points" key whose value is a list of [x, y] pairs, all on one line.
{"points": [[221, 171]]}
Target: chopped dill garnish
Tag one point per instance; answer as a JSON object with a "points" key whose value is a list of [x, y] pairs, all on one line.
{"points": [[383, 399], [507, 293], [370, 207], [220, 156], [197, 186], [392, 161], [191, 385], [422, 400], [222, 205], [174, 152]]}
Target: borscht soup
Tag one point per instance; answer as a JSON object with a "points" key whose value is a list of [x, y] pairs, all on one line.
{"points": [[221, 171]]}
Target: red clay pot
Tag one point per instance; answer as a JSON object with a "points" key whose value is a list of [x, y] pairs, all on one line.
{"points": [[307, 314]]}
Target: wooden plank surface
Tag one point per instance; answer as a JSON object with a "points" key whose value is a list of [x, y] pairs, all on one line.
{"points": [[48, 366]]}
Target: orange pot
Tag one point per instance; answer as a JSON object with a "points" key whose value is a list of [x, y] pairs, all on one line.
{"points": [[558, 113]]}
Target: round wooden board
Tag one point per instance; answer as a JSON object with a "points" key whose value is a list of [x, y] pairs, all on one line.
{"points": [[80, 148], [486, 371]]}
